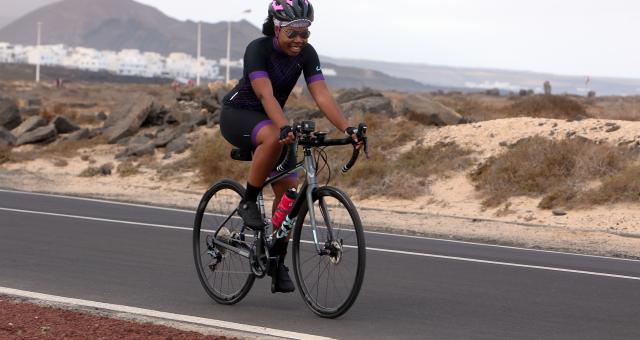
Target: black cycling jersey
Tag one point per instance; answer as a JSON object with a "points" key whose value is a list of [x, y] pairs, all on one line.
{"points": [[264, 58]]}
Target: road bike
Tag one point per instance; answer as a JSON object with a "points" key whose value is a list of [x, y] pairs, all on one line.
{"points": [[328, 244]]}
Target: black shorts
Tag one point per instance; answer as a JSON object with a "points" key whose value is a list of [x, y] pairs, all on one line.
{"points": [[240, 128]]}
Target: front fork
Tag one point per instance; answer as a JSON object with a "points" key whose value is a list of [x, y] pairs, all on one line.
{"points": [[312, 182]]}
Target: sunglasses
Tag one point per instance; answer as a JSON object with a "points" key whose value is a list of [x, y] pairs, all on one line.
{"points": [[302, 34]]}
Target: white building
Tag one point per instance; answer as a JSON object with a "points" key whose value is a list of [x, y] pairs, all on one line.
{"points": [[180, 65], [130, 62], [84, 58], [6, 53], [46, 54]]}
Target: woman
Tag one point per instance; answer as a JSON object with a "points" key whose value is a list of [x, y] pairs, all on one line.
{"points": [[252, 115]]}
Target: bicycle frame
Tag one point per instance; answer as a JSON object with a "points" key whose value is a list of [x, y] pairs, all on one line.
{"points": [[306, 194]]}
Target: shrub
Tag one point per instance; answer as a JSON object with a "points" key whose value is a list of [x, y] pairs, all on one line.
{"points": [[538, 166], [91, 171], [435, 160], [548, 106], [623, 186], [405, 177], [175, 168], [210, 156], [127, 168], [69, 148]]}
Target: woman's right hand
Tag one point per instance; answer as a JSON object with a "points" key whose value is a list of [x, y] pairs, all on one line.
{"points": [[286, 135]]}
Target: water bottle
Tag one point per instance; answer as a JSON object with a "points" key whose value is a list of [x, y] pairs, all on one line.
{"points": [[286, 203], [282, 223]]}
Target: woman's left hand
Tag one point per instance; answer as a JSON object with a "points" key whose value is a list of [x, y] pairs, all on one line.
{"points": [[353, 132]]}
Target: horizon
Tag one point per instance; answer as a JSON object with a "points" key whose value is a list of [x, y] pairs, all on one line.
{"points": [[444, 29]]}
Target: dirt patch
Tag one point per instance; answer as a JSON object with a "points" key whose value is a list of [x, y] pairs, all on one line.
{"points": [[23, 320]]}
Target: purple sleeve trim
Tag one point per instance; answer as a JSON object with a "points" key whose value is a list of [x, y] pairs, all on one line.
{"points": [[258, 74], [315, 78], [256, 129]]}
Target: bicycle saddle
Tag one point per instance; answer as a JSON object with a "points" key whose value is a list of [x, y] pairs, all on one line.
{"points": [[241, 155]]}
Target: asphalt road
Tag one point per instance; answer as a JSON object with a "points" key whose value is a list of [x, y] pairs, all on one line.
{"points": [[415, 288]]}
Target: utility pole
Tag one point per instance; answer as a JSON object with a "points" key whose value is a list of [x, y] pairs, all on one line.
{"points": [[38, 52], [199, 62], [229, 45], [228, 50]]}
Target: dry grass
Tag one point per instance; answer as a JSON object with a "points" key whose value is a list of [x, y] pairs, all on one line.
{"points": [[538, 166], [67, 148], [175, 168], [5, 153], [384, 134], [476, 107], [127, 168], [210, 156], [543, 106], [623, 186], [406, 177], [614, 107], [435, 160], [91, 171], [480, 107]]}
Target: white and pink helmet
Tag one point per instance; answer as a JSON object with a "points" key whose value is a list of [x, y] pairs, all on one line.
{"points": [[294, 13]]}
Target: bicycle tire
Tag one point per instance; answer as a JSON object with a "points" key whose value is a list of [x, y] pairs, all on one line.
{"points": [[302, 255], [230, 193]]}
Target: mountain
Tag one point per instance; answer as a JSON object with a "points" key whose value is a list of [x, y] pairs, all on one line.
{"points": [[4, 20], [122, 24], [15, 9], [506, 80]]}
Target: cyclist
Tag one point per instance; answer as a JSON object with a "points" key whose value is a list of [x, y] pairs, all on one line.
{"points": [[252, 115]]}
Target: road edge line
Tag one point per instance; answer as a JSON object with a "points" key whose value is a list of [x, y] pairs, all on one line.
{"points": [[194, 320]]}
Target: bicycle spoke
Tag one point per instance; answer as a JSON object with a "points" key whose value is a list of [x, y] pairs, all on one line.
{"points": [[231, 279], [331, 284], [320, 273]]}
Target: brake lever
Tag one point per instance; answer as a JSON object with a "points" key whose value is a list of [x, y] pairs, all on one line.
{"points": [[366, 147], [362, 130]]}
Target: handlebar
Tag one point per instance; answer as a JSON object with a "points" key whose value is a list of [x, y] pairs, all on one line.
{"points": [[307, 136]]}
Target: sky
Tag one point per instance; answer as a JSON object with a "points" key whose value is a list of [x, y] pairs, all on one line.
{"points": [[570, 37]]}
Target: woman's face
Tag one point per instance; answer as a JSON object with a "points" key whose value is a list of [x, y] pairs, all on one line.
{"points": [[292, 40]]}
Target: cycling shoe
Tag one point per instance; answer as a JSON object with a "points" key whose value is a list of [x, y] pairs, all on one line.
{"points": [[251, 215]]}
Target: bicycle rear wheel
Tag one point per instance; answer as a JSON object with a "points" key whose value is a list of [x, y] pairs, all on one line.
{"points": [[329, 283], [225, 275]]}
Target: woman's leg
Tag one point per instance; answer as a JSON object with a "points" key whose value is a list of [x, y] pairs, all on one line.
{"points": [[266, 154]]}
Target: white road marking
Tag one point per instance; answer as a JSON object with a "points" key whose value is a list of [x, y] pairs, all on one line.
{"points": [[503, 247], [96, 200], [368, 248], [97, 219], [367, 232], [506, 264], [161, 315]]}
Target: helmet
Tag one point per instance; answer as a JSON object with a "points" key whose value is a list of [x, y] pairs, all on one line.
{"points": [[287, 12]]}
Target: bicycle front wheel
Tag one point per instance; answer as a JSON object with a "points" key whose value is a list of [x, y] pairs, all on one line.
{"points": [[330, 280], [225, 274]]}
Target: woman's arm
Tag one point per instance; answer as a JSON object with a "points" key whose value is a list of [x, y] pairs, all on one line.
{"points": [[327, 104], [264, 91]]}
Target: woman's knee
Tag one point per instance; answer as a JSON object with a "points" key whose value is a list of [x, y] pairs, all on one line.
{"points": [[269, 136]]}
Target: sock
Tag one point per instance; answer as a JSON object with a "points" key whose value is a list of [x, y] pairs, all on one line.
{"points": [[251, 194]]}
